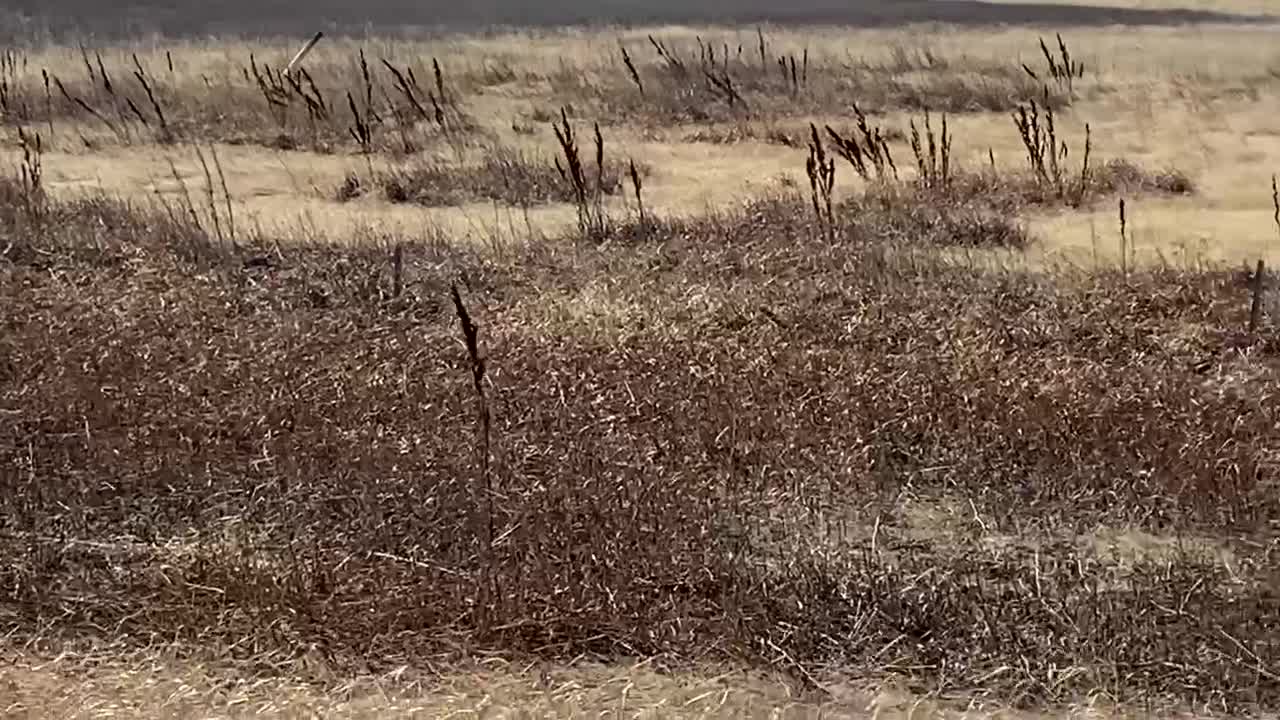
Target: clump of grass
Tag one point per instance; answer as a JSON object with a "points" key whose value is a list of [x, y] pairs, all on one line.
{"points": [[31, 173], [164, 133], [1048, 178], [637, 185], [868, 154], [503, 174], [821, 171], [723, 135], [351, 188], [1120, 176], [933, 154], [949, 206], [1046, 155], [15, 105], [101, 231], [1060, 68], [745, 130], [588, 189], [927, 218], [361, 128], [1047, 159], [77, 103]]}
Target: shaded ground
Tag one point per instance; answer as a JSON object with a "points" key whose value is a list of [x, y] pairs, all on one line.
{"points": [[176, 17]]}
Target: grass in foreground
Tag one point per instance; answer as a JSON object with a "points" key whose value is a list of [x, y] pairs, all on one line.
{"points": [[803, 441], [814, 434], [157, 686]]}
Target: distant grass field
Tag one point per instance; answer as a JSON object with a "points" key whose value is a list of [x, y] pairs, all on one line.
{"points": [[27, 18]]}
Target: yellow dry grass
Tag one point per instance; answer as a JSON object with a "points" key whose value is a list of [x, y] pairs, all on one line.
{"points": [[67, 688], [1194, 98]]}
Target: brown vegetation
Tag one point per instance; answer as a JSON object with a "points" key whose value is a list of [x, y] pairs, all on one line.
{"points": [[380, 103], [274, 451], [714, 81], [822, 430], [351, 103], [506, 175]]}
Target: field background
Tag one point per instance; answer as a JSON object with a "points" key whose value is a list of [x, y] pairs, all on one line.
{"points": [[1192, 98], [395, 16], [188, 578]]}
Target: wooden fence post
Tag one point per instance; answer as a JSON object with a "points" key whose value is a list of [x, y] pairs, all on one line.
{"points": [[297, 59]]}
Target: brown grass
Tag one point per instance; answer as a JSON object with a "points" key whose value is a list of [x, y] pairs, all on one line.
{"points": [[244, 100], [510, 176], [294, 469], [832, 430], [696, 82]]}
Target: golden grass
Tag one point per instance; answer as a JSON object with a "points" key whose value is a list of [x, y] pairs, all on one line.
{"points": [[1193, 98], [87, 686]]}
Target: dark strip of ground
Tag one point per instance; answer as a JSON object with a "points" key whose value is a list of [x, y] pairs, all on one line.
{"points": [[58, 18]]}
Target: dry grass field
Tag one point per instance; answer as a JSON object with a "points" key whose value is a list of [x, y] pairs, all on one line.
{"points": [[678, 369]]}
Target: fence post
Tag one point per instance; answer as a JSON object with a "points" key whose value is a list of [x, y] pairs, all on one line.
{"points": [[297, 59]]}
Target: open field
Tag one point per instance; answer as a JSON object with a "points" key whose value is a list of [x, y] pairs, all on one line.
{"points": [[677, 370], [1196, 99], [132, 18]]}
